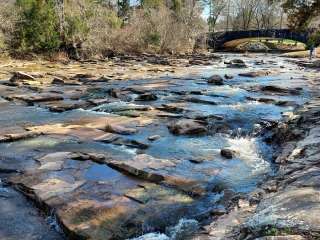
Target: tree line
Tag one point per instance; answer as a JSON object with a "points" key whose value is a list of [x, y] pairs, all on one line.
{"points": [[100, 27]]}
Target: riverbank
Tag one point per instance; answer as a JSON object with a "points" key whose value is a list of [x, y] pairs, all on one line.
{"points": [[303, 54], [118, 148]]}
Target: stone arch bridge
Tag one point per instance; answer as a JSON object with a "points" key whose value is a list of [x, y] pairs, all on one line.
{"points": [[218, 39]]}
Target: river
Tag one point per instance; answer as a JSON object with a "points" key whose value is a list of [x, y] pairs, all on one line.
{"points": [[117, 158]]}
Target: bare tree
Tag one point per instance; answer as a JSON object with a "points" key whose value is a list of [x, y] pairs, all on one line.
{"points": [[216, 8], [245, 12], [268, 13]]}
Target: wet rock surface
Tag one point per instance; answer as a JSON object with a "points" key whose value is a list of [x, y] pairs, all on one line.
{"points": [[187, 127], [293, 205], [125, 147], [228, 153], [21, 220], [287, 205]]}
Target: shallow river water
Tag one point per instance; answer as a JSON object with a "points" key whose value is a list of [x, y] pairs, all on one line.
{"points": [[235, 119]]}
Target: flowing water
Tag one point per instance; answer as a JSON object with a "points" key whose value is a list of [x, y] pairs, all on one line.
{"points": [[238, 123]]}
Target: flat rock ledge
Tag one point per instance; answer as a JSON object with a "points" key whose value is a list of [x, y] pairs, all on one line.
{"points": [[288, 205]]}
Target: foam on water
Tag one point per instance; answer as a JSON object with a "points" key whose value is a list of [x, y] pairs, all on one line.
{"points": [[249, 151], [248, 166]]}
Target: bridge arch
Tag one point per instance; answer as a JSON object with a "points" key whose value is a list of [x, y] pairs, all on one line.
{"points": [[218, 39]]}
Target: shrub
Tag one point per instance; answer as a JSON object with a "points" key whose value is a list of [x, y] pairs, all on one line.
{"points": [[84, 28], [8, 18], [158, 29], [90, 25], [37, 27]]}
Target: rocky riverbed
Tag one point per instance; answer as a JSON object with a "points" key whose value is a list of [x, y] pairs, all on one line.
{"points": [[184, 146]]}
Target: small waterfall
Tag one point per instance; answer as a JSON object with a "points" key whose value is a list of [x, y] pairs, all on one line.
{"points": [[249, 151]]}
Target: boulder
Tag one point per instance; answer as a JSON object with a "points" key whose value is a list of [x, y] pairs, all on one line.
{"points": [[82, 76], [227, 76], [187, 127], [131, 143], [172, 108], [147, 97], [218, 210], [113, 128], [277, 89], [57, 81], [202, 100], [227, 153], [236, 63], [255, 74], [62, 106], [215, 79], [259, 62], [21, 76], [240, 61], [197, 160]]}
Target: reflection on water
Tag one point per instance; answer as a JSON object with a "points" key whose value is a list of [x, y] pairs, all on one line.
{"points": [[101, 172], [239, 114]]}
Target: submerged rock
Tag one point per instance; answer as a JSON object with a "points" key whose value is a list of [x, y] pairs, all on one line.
{"points": [[120, 107], [187, 127], [154, 137], [147, 97], [215, 79]]}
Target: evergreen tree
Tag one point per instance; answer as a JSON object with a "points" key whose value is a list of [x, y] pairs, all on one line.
{"points": [[38, 26]]}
